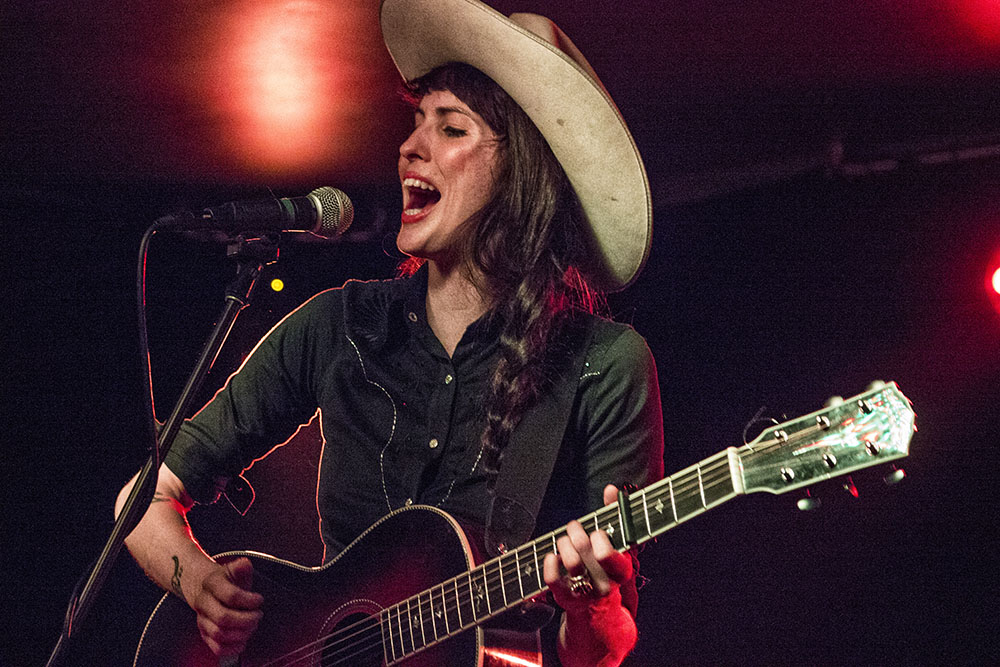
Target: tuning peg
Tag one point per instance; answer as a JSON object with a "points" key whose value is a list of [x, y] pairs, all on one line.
{"points": [[833, 401], [894, 477], [808, 503], [850, 487]]}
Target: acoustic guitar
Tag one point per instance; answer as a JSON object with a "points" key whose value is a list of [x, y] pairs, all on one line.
{"points": [[409, 588]]}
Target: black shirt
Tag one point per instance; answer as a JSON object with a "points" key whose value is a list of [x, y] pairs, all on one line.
{"points": [[401, 421]]}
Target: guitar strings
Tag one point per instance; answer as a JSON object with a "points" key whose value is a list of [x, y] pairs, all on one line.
{"points": [[374, 625], [367, 635], [370, 629]]}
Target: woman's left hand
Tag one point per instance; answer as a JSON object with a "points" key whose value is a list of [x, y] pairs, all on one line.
{"points": [[588, 579]]}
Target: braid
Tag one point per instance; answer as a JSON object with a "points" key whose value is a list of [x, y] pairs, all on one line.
{"points": [[540, 293]]}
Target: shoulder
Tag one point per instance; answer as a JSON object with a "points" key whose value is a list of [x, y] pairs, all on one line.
{"points": [[355, 300], [613, 343], [373, 309], [357, 308]]}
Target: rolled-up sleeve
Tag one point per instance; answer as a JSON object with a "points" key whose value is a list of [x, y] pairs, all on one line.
{"points": [[261, 405]]}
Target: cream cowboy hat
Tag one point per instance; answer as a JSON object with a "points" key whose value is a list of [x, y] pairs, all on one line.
{"points": [[540, 68]]}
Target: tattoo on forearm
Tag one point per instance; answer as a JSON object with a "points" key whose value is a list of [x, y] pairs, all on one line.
{"points": [[175, 581], [160, 498]]}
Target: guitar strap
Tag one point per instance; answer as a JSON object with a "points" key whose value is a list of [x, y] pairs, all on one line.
{"points": [[527, 461]]}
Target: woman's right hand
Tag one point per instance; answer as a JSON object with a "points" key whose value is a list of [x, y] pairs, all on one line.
{"points": [[220, 593], [228, 610]]}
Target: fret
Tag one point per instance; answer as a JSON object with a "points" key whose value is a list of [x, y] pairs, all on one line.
{"points": [[399, 622], [472, 598], [458, 604], [538, 570], [486, 589], [721, 489], [645, 511], [670, 483], [612, 528], [609, 529], [701, 488], [452, 617], [388, 648], [517, 568], [503, 587], [409, 622], [420, 619], [444, 612], [516, 594], [430, 610], [620, 528], [620, 513], [398, 631], [688, 499]]}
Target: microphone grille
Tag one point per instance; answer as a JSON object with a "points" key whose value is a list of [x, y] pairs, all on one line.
{"points": [[336, 212]]}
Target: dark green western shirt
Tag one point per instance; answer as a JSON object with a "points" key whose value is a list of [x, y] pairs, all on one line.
{"points": [[402, 421]]}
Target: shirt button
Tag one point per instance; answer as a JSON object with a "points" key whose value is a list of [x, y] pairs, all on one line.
{"points": [[433, 443], [448, 378], [412, 316]]}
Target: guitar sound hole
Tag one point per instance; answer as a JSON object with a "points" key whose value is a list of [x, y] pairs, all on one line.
{"points": [[355, 639]]}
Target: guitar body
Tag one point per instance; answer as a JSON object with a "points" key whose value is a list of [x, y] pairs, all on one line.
{"points": [[408, 590], [405, 552]]}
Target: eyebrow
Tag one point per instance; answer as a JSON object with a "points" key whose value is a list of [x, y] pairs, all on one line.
{"points": [[444, 111]]}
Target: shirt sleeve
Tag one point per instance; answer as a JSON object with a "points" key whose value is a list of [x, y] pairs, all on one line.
{"points": [[620, 415], [261, 405]]}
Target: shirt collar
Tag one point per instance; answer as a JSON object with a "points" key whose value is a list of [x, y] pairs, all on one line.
{"points": [[377, 316]]}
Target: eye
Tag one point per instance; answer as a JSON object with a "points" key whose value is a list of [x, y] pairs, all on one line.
{"points": [[453, 131]]}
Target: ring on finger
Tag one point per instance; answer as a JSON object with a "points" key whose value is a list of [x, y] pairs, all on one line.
{"points": [[580, 585]]}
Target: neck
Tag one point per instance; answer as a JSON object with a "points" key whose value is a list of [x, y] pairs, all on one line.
{"points": [[453, 303]]}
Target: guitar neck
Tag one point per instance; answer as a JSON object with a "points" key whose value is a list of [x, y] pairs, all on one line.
{"points": [[871, 428], [475, 596]]}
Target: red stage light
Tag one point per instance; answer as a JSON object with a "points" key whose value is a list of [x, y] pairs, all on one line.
{"points": [[982, 16], [281, 84], [992, 281], [289, 82]]}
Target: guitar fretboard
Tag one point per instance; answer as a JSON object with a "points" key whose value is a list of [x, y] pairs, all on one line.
{"points": [[515, 576]]}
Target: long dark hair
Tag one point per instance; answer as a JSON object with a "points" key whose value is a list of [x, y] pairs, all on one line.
{"points": [[528, 243]]}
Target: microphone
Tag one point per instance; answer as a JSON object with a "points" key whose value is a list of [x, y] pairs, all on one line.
{"points": [[325, 211]]}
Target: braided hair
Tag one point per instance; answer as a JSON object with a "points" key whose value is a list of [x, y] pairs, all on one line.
{"points": [[523, 250]]}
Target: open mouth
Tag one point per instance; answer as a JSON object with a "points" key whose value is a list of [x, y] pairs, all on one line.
{"points": [[420, 196]]}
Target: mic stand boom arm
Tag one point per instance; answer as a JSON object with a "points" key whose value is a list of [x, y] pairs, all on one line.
{"points": [[251, 256]]}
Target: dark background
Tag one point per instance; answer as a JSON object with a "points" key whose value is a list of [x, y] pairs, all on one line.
{"points": [[826, 185]]}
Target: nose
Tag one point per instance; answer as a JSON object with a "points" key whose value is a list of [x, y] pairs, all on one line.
{"points": [[415, 146]]}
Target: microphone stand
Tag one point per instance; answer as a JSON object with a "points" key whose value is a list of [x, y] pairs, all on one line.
{"points": [[251, 256]]}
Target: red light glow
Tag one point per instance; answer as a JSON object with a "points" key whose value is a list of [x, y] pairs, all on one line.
{"points": [[500, 657], [281, 84], [991, 280], [291, 82], [982, 16]]}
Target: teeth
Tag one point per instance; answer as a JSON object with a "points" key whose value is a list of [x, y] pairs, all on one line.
{"points": [[417, 183]]}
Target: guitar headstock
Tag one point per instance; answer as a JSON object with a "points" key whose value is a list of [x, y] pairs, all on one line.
{"points": [[867, 430]]}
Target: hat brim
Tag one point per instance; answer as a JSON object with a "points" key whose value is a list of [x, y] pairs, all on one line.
{"points": [[571, 109]]}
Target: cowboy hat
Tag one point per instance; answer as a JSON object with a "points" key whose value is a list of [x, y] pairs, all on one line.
{"points": [[539, 67]]}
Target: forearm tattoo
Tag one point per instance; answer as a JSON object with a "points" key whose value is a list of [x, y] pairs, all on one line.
{"points": [[175, 581]]}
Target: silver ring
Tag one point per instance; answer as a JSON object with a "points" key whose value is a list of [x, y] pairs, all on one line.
{"points": [[580, 585]]}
